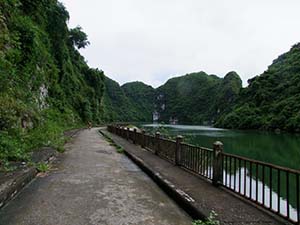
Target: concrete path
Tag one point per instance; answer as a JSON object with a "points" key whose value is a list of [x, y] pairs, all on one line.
{"points": [[231, 210], [91, 184]]}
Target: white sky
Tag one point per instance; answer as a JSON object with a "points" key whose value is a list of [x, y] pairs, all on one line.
{"points": [[153, 40]]}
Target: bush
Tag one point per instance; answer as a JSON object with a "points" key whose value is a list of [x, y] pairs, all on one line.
{"points": [[211, 220]]}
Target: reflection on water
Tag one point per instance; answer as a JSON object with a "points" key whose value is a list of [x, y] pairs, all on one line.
{"points": [[279, 149], [186, 127], [263, 193]]}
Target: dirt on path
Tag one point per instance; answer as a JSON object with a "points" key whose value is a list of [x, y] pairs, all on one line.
{"points": [[92, 184]]}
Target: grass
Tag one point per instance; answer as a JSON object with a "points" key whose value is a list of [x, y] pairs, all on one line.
{"points": [[16, 145], [120, 150], [211, 220], [42, 167], [112, 143]]}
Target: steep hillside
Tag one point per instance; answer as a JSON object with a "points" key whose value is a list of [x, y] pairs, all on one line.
{"points": [[132, 102], [116, 105], [197, 98], [272, 100], [142, 97], [46, 87], [45, 84]]}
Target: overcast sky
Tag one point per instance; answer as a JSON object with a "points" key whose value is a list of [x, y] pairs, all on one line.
{"points": [[153, 40]]}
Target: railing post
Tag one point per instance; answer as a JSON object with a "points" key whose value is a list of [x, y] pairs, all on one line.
{"points": [[143, 139], [217, 163], [179, 140], [127, 133], [134, 136], [157, 139]]}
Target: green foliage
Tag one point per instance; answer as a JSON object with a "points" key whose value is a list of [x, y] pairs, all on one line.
{"points": [[116, 105], [42, 167], [120, 150], [194, 98], [16, 144], [45, 84], [142, 97], [78, 38], [112, 143], [49, 132], [211, 220], [272, 100], [12, 148], [197, 98], [47, 87]]}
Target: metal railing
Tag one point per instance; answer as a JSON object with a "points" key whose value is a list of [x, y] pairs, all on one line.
{"points": [[197, 159], [272, 187]]}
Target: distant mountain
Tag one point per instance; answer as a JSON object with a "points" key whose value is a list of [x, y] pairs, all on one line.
{"points": [[197, 98], [142, 97], [115, 104], [132, 102], [272, 100]]}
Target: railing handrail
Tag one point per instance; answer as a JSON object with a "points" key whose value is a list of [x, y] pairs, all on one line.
{"points": [[196, 146], [166, 139], [262, 163], [214, 164], [274, 166]]}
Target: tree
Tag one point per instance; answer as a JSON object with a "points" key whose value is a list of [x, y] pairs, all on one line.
{"points": [[78, 38]]}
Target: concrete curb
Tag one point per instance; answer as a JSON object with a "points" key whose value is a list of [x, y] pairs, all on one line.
{"points": [[16, 185], [23, 176], [179, 196]]}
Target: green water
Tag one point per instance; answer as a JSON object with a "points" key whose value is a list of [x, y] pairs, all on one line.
{"points": [[279, 149]]}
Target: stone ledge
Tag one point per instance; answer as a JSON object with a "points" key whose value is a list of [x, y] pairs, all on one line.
{"points": [[11, 183]]}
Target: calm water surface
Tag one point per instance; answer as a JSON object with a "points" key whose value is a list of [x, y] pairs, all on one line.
{"points": [[280, 149]]}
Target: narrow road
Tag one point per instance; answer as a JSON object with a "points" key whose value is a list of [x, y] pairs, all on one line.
{"points": [[92, 184]]}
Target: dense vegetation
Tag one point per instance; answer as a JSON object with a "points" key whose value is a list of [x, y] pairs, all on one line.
{"points": [[132, 102], [142, 97], [46, 87], [45, 84], [197, 98], [116, 106], [272, 100]]}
